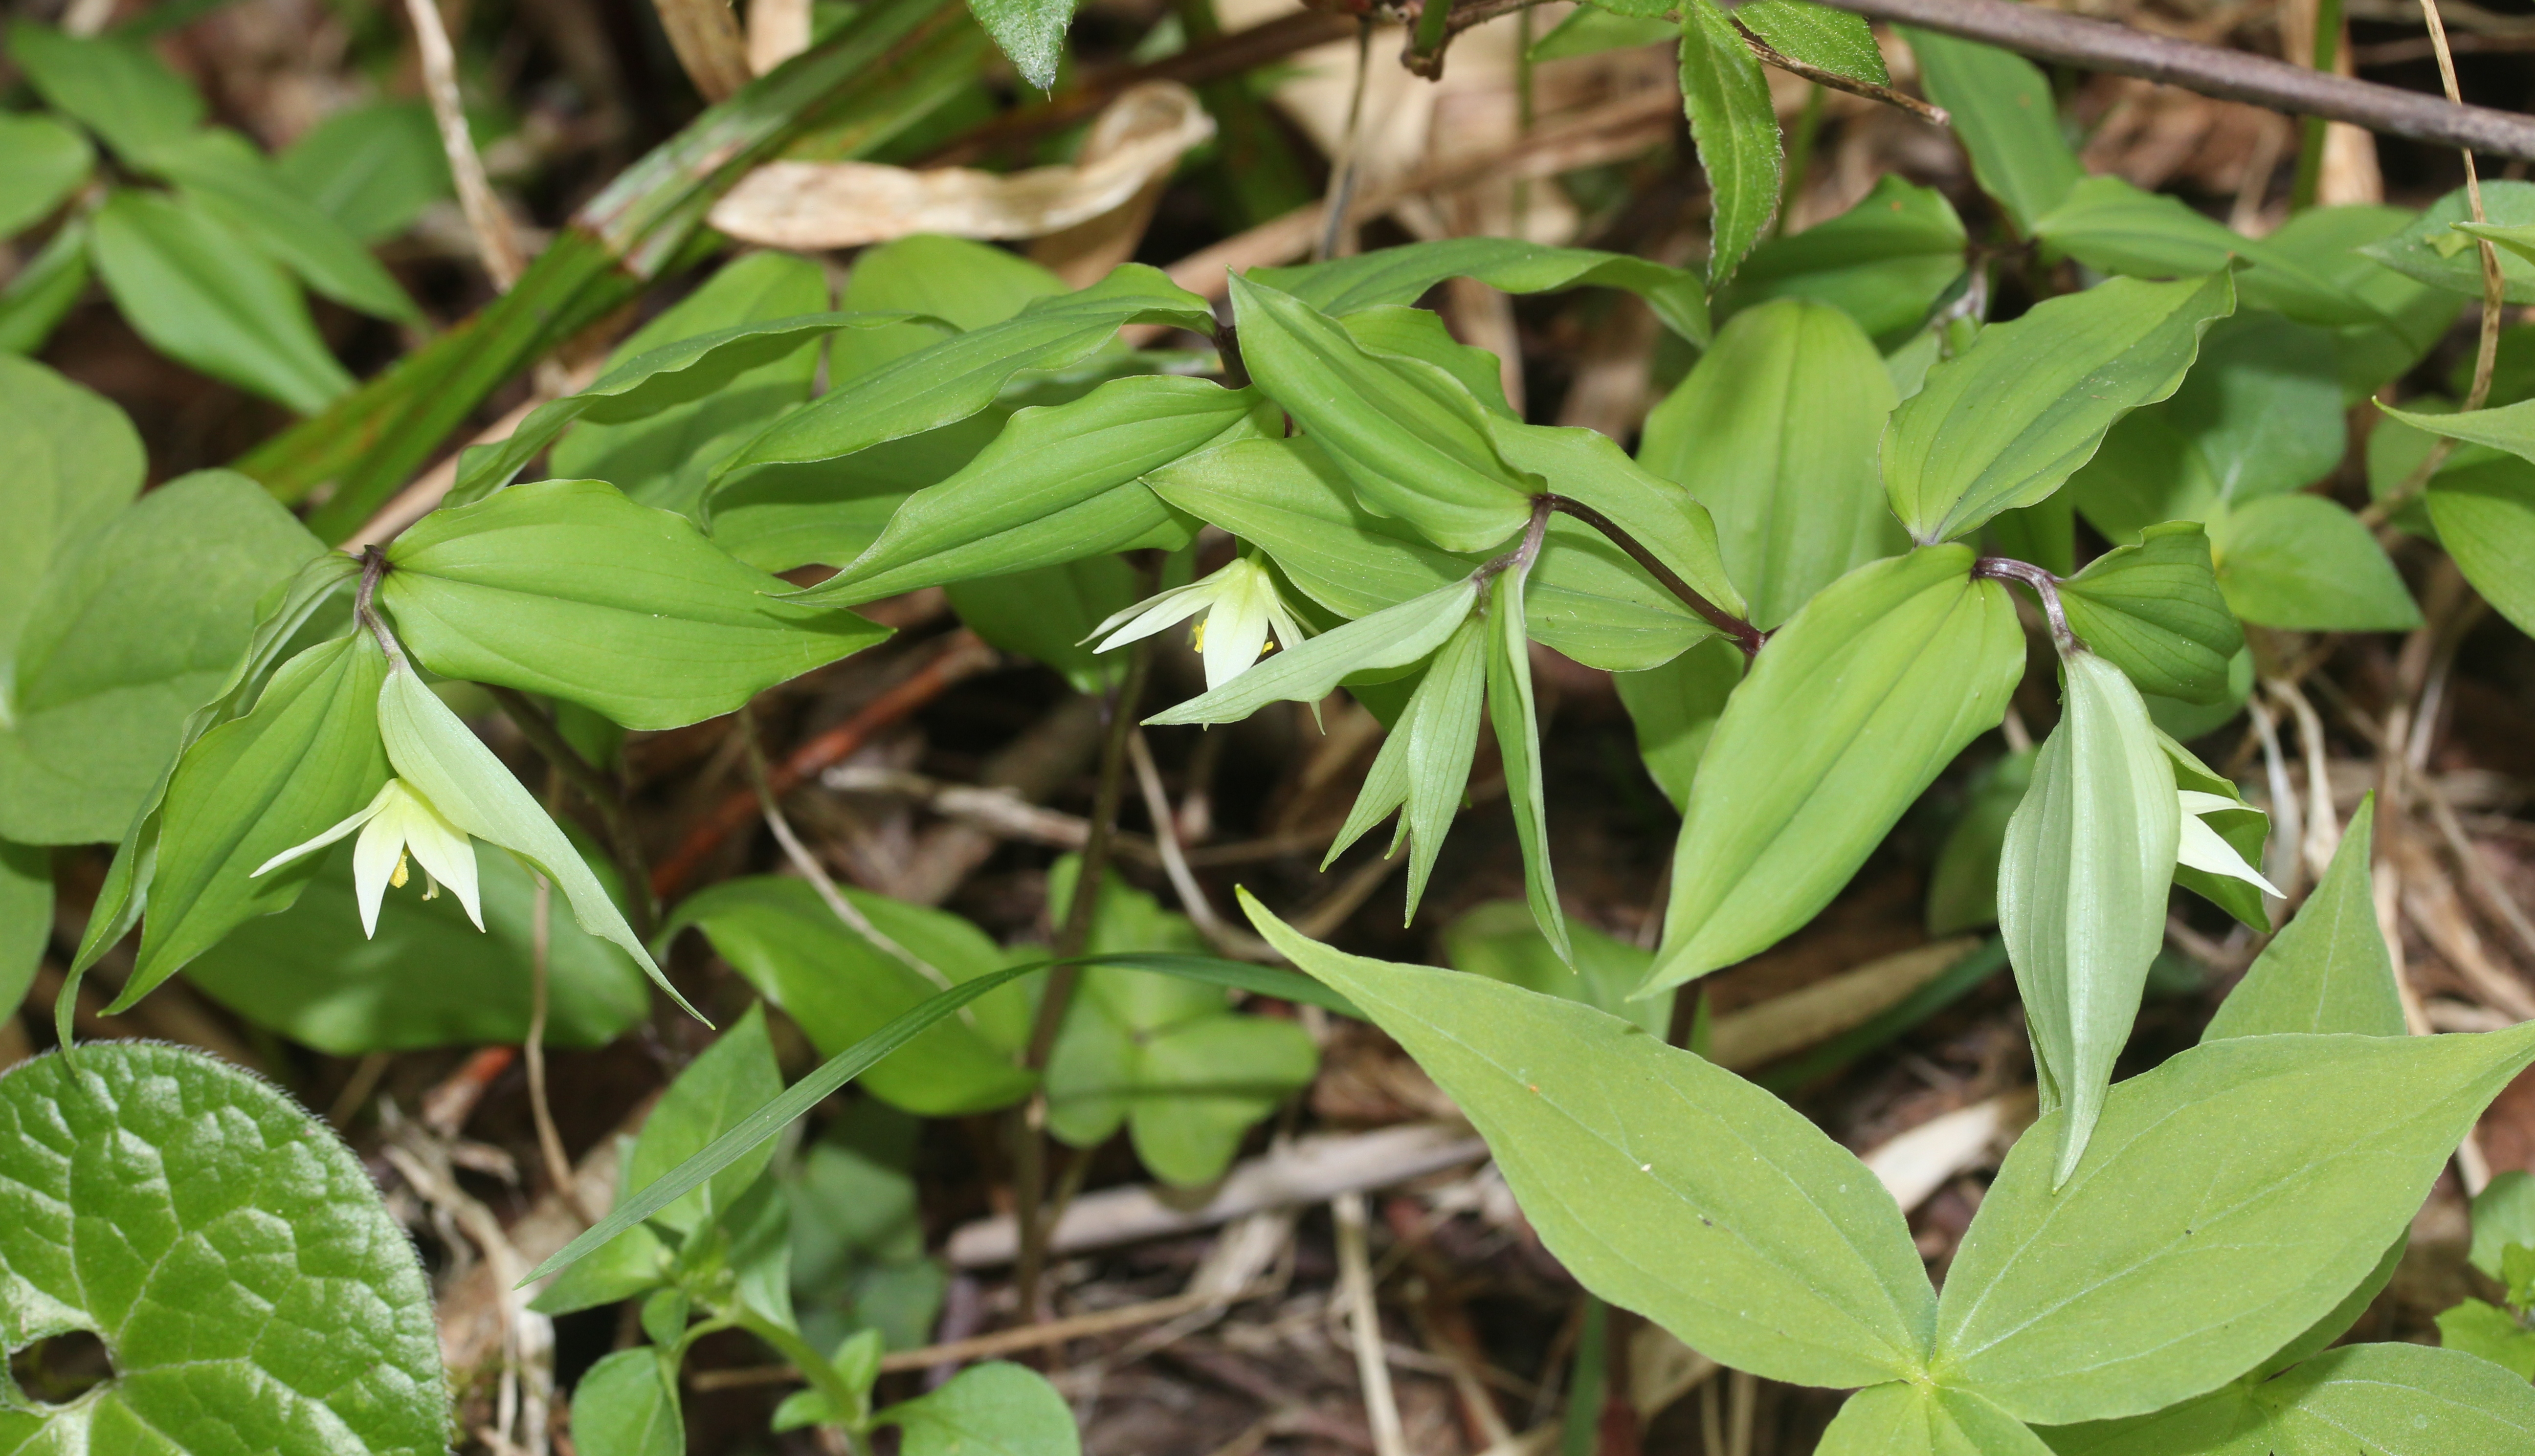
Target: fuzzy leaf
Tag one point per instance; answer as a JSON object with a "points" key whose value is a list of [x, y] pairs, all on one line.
{"points": [[1736, 130]]}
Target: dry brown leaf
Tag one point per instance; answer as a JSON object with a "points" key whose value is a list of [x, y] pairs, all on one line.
{"points": [[805, 205]]}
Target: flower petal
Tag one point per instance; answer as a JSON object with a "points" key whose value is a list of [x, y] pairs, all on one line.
{"points": [[2196, 801], [310, 846], [2200, 848], [375, 858], [1154, 614], [1236, 629], [447, 853]]}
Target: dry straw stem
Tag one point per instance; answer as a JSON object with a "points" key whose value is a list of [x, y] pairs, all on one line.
{"points": [[497, 243], [705, 37]]}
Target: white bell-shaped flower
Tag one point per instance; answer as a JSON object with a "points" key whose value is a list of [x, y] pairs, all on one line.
{"points": [[2199, 846], [1237, 608], [398, 821]]}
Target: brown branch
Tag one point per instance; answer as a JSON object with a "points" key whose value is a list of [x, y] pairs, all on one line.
{"points": [[1745, 634], [2212, 71], [961, 655]]}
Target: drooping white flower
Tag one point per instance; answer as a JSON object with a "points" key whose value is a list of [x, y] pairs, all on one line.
{"points": [[1236, 610], [2201, 848], [397, 822]]}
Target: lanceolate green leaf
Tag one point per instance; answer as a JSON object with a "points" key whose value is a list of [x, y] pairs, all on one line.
{"points": [[1834, 40], [1775, 431], [1029, 32], [1674, 708], [229, 179], [2003, 423], [2154, 611], [1409, 435], [628, 1404], [2329, 970], [2487, 523], [2081, 888], [1667, 1184], [130, 632], [2305, 563], [2228, 1200], [1058, 483], [1516, 717], [1848, 714], [1736, 131], [2434, 248], [2006, 118], [450, 767], [1884, 263], [2107, 223], [676, 373], [206, 298], [46, 289], [1443, 738], [306, 758], [227, 1248], [567, 588], [961, 375], [41, 162], [1404, 274], [116, 87], [731, 1079], [1391, 639], [68, 462]]}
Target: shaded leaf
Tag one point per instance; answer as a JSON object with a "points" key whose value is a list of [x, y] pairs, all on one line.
{"points": [[2435, 249], [2305, 563], [730, 1080], [223, 175], [373, 167], [2328, 970], [46, 289], [1962, 886], [627, 1404], [995, 1409], [26, 916], [2107, 223], [116, 87], [41, 163], [1674, 706], [2003, 113], [1500, 939], [1885, 262], [1404, 274]]}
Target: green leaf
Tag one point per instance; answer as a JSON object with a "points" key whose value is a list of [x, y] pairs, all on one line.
{"points": [[969, 284], [995, 1409], [679, 372], [435, 753], [1032, 33], [961, 375], [2006, 118], [843, 988], [663, 457], [1515, 714], [200, 294], [2082, 888], [1775, 431], [1885, 262], [569, 589], [1049, 615], [41, 163], [1834, 40], [306, 758], [132, 629], [732, 1078], [26, 916], [1692, 1197], [1057, 484], [312, 975], [46, 289], [1424, 767], [627, 1404], [223, 175], [2259, 413], [2503, 1213], [229, 1249], [1962, 886], [1900, 1419], [2435, 250], [2305, 564], [2329, 970], [2229, 1199], [373, 167], [1406, 274], [1587, 467], [1736, 131], [1394, 637], [1851, 710], [1500, 939], [117, 89], [2002, 424], [2487, 523], [1674, 708], [2377, 1400], [2109, 224], [859, 1260], [2154, 611], [1590, 30], [2489, 1332], [1409, 436], [68, 462]]}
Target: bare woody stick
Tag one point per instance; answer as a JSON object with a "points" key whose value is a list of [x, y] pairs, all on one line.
{"points": [[2212, 71]]}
